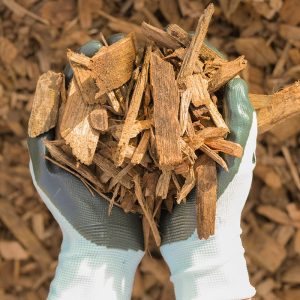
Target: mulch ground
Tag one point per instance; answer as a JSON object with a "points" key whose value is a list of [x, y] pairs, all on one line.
{"points": [[33, 38]]}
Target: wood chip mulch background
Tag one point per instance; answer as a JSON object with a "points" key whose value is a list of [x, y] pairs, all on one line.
{"points": [[34, 36]]}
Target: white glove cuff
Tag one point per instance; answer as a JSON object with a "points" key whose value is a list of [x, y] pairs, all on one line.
{"points": [[214, 269]]}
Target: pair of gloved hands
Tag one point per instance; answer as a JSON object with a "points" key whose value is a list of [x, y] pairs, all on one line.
{"points": [[100, 253]]}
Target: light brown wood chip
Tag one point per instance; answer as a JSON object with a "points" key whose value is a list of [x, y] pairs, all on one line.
{"points": [[112, 66], [133, 109], [206, 197], [226, 147], [227, 71], [45, 105], [141, 200], [166, 107], [192, 54], [83, 76], [98, 119], [159, 36], [75, 127], [282, 105], [141, 148]]}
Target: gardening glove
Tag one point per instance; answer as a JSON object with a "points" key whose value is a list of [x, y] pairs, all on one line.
{"points": [[215, 269], [99, 253]]}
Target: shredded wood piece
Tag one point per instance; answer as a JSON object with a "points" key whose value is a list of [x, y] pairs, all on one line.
{"points": [[159, 36], [98, 119], [192, 54], [206, 195], [226, 72], [185, 101], [133, 109], [83, 76], [188, 185], [145, 209], [75, 127], [141, 148], [162, 187], [45, 105], [112, 66], [166, 107], [226, 147]]}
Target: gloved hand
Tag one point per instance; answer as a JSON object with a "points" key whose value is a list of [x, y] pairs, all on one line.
{"points": [[215, 269], [99, 253]]}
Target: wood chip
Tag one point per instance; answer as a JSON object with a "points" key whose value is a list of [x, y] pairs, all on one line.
{"points": [[206, 195], [45, 105], [166, 107], [133, 109], [75, 127], [192, 54], [141, 148], [147, 214], [112, 66], [159, 36], [83, 76], [226, 72], [98, 119]]}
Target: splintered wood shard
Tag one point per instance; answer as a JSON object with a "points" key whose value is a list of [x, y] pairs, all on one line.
{"points": [[46, 102], [226, 72], [112, 66], [75, 126], [184, 38], [166, 107], [199, 88], [133, 109], [277, 107], [147, 214], [83, 76], [226, 147], [193, 51], [206, 196], [141, 148], [159, 36]]}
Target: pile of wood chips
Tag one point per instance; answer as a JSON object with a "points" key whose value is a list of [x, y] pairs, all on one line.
{"points": [[33, 38], [140, 118]]}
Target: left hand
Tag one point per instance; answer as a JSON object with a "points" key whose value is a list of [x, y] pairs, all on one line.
{"points": [[216, 268]]}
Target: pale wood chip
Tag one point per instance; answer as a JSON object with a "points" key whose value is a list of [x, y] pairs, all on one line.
{"points": [[206, 197], [83, 76], [159, 36], [75, 127], [225, 146], [185, 101], [226, 72], [166, 107], [141, 149], [188, 185], [145, 209], [163, 183], [192, 54], [133, 109], [98, 119], [45, 105], [108, 167], [112, 66]]}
